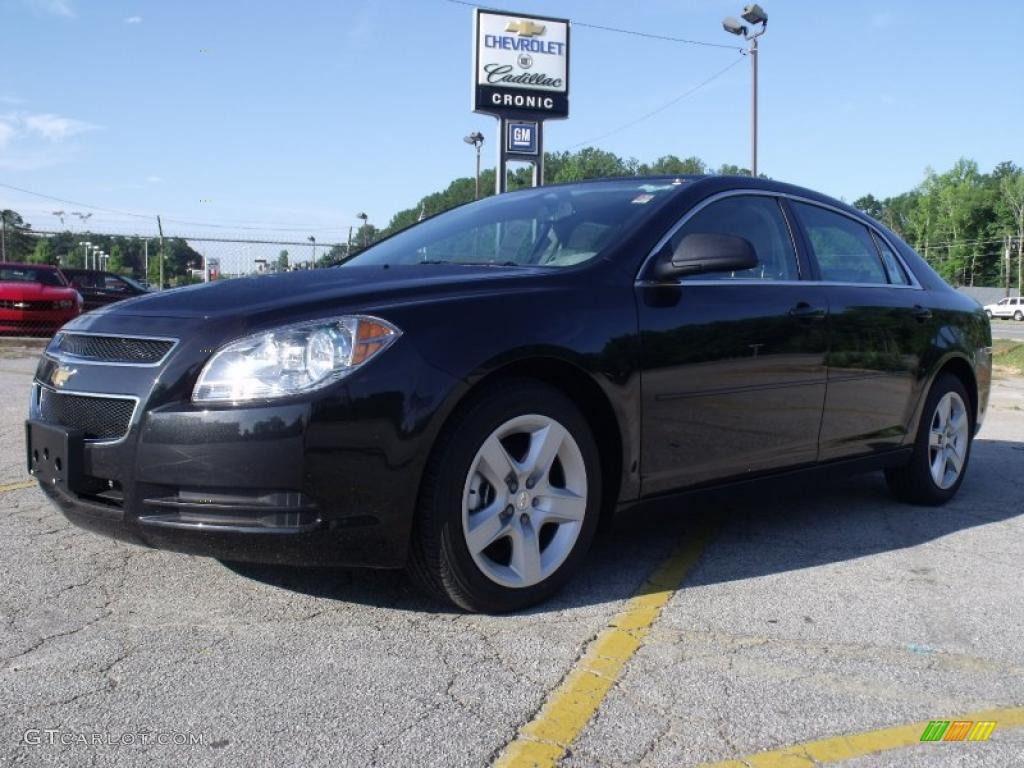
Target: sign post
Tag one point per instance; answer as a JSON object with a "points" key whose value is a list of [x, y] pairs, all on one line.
{"points": [[521, 76]]}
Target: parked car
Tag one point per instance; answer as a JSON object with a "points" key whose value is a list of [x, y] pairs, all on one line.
{"points": [[102, 288], [35, 299], [466, 398], [1011, 306]]}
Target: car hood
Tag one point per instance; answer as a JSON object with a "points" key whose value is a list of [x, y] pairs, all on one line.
{"points": [[345, 288], [34, 291]]}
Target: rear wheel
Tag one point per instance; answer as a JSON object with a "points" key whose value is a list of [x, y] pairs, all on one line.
{"points": [[941, 449], [1018, 315], [509, 502]]}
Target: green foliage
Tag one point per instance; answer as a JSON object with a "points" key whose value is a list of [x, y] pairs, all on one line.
{"points": [[282, 261], [16, 243], [961, 221]]}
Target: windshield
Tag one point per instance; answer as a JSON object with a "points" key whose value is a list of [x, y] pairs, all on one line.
{"points": [[546, 227], [133, 283], [10, 274]]}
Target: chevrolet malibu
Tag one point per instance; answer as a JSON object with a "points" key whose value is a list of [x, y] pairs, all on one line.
{"points": [[468, 397]]}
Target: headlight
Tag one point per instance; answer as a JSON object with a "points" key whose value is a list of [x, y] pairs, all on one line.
{"points": [[292, 359], [63, 304]]}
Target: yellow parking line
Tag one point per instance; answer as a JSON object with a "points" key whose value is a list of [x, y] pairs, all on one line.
{"points": [[839, 748], [17, 486], [545, 739]]}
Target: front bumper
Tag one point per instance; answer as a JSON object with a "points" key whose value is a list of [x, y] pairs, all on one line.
{"points": [[330, 479], [34, 322]]}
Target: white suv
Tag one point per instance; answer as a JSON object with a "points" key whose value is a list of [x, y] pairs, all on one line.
{"points": [[1012, 306]]}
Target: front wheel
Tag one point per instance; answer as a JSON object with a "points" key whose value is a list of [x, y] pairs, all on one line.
{"points": [[941, 449], [509, 501]]}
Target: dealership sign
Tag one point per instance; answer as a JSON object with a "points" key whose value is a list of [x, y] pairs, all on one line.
{"points": [[520, 65]]}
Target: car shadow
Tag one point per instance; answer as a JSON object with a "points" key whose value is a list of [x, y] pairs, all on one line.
{"points": [[757, 530]]}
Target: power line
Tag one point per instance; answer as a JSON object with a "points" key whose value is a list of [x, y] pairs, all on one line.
{"points": [[619, 30], [660, 109], [248, 226]]}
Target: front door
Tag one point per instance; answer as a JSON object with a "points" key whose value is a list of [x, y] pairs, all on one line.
{"points": [[733, 364]]}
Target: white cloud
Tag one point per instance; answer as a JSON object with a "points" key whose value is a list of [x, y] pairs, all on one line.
{"points": [[54, 127], [154, 180], [38, 140], [63, 8], [11, 100], [133, 20], [6, 133]]}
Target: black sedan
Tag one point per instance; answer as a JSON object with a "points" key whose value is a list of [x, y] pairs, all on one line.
{"points": [[101, 288], [468, 397]]}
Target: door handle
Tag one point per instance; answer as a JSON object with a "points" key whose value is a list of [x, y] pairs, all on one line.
{"points": [[921, 313], [804, 311]]}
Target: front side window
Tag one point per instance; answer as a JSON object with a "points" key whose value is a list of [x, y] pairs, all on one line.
{"points": [[544, 227], [843, 247], [759, 220]]}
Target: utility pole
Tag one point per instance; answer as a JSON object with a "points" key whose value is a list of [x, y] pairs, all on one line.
{"points": [[3, 237], [145, 248], [752, 14], [160, 228]]}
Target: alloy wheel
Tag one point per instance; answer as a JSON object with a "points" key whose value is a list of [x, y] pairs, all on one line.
{"points": [[524, 501], [948, 440]]}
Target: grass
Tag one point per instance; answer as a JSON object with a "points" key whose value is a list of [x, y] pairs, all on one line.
{"points": [[1008, 355]]}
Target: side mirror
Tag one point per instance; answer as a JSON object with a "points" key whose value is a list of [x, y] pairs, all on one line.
{"points": [[700, 253]]}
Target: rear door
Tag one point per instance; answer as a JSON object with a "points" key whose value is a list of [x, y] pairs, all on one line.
{"points": [[879, 327], [733, 364]]}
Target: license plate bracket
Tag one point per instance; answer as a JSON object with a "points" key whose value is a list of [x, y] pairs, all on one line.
{"points": [[54, 454]]}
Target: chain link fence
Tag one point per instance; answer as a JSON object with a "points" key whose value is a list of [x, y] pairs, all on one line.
{"points": [[107, 267]]}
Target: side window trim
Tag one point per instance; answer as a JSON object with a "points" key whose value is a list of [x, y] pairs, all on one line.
{"points": [[798, 236]]}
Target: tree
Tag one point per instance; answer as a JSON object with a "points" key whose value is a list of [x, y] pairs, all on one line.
{"points": [[15, 241], [282, 261], [43, 252], [1011, 208]]}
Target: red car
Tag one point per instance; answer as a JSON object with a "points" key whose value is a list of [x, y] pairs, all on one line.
{"points": [[35, 299]]}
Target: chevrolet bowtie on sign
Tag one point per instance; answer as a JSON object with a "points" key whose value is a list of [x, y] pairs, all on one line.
{"points": [[521, 66]]}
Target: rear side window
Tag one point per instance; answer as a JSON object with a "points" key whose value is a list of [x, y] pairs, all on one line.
{"points": [[843, 247], [897, 275], [756, 218]]}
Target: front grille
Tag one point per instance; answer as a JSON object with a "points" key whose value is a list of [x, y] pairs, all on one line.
{"points": [[113, 349], [99, 418], [31, 306]]}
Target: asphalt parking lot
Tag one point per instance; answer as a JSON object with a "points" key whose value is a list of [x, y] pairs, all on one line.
{"points": [[825, 614], [1007, 329]]}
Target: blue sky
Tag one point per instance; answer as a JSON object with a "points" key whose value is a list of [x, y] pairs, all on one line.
{"points": [[304, 113]]}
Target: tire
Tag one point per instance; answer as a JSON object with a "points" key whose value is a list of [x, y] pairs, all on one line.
{"points": [[540, 521], [944, 437], [988, 312], [1018, 315]]}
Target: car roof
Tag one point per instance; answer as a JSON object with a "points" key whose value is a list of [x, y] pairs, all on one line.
{"points": [[23, 265], [714, 183]]}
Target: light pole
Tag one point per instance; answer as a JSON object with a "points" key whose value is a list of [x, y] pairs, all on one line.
{"points": [[313, 241], [85, 254], [755, 15], [366, 223], [477, 140]]}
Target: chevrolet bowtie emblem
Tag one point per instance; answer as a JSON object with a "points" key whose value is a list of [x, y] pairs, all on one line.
{"points": [[525, 28], [61, 375]]}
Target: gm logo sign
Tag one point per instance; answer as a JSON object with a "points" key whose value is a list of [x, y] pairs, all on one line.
{"points": [[521, 138]]}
